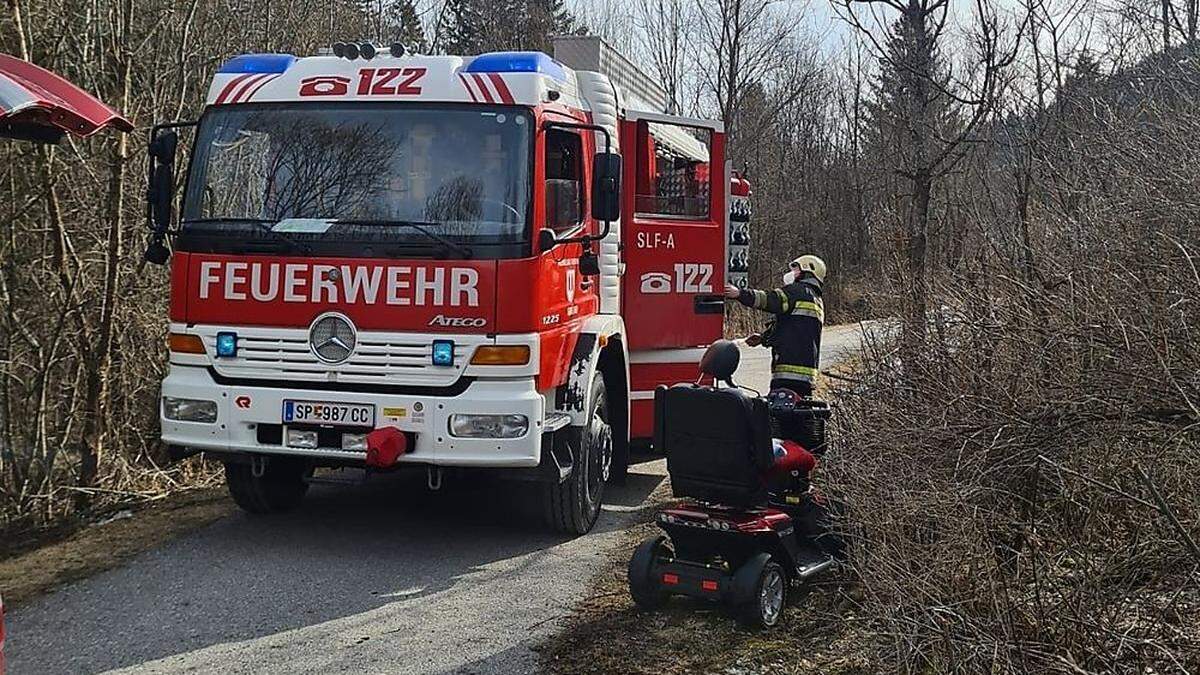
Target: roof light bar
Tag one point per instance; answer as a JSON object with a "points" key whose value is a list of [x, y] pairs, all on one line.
{"points": [[258, 63], [517, 62]]}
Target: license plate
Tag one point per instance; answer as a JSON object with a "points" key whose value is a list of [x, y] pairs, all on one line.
{"points": [[336, 414]]}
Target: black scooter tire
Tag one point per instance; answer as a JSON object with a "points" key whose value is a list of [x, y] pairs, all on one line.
{"points": [[750, 604], [644, 586]]}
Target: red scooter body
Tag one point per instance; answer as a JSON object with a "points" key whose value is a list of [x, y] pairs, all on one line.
{"points": [[751, 522]]}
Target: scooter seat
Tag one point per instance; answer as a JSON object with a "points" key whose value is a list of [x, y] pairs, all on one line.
{"points": [[717, 443]]}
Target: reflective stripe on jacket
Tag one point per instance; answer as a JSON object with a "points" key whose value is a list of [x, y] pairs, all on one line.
{"points": [[795, 334]]}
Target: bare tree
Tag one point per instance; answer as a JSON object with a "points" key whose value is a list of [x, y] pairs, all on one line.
{"points": [[661, 24], [739, 44], [929, 110]]}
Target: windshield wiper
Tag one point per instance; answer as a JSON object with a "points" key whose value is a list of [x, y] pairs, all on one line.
{"points": [[422, 227], [265, 224]]}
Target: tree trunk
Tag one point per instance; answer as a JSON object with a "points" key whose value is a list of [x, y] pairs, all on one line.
{"points": [[96, 381], [14, 10], [1166, 22], [917, 250]]}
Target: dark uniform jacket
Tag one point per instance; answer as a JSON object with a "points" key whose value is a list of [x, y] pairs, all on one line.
{"points": [[795, 335]]}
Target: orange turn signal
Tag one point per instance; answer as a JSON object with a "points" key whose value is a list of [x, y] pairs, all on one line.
{"points": [[501, 355], [186, 344]]}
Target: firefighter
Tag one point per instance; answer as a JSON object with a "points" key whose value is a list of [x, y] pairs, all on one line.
{"points": [[794, 335]]}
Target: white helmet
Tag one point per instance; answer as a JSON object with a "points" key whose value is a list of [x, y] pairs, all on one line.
{"points": [[811, 264]]}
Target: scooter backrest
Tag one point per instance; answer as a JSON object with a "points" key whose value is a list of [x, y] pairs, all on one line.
{"points": [[717, 443]]}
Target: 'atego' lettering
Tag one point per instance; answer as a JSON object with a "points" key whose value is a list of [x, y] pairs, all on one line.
{"points": [[392, 284]]}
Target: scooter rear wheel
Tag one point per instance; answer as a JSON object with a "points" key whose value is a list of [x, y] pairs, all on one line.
{"points": [[644, 586]]}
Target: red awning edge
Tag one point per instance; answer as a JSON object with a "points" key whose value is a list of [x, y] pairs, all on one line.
{"points": [[35, 102]]}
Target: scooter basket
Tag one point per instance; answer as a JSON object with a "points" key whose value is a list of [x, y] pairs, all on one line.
{"points": [[804, 424]]}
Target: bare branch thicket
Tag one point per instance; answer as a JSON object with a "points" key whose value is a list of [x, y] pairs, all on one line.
{"points": [[1022, 485], [82, 323], [663, 37]]}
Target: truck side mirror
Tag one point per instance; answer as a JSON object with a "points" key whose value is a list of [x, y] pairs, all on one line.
{"points": [[606, 186], [546, 240], [162, 148], [160, 193], [162, 188], [162, 178]]}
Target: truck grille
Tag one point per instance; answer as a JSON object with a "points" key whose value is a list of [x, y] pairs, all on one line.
{"points": [[402, 359]]}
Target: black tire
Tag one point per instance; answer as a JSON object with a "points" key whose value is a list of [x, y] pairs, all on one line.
{"points": [[761, 594], [618, 420], [618, 470], [280, 488], [574, 505], [644, 586]]}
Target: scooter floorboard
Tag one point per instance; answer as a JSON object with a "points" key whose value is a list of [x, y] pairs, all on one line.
{"points": [[809, 563]]}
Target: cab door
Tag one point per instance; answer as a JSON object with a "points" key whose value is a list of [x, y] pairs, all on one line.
{"points": [[674, 231], [674, 222]]}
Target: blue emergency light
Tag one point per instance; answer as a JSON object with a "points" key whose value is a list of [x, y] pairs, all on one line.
{"points": [[443, 352], [258, 63], [517, 62], [227, 344]]}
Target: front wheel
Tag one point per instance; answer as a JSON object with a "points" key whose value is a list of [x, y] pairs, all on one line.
{"points": [[279, 487], [574, 505]]}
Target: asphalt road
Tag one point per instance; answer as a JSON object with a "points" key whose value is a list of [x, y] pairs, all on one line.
{"points": [[383, 577]]}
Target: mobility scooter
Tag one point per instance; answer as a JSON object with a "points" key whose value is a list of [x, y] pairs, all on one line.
{"points": [[750, 524]]}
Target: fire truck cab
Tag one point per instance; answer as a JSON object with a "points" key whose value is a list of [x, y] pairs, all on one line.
{"points": [[498, 256]]}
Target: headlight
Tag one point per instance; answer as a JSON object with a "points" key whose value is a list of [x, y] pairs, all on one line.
{"points": [[488, 426], [189, 410]]}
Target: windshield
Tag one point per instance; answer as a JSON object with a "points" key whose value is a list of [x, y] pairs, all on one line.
{"points": [[461, 173]]}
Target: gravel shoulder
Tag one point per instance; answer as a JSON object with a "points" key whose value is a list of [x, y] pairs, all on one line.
{"points": [[115, 539]]}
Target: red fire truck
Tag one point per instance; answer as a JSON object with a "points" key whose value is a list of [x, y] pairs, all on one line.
{"points": [[497, 256]]}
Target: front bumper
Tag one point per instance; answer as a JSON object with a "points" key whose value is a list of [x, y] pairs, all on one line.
{"points": [[241, 410]]}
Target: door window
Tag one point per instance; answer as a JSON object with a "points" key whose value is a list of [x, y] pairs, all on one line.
{"points": [[564, 180], [673, 171]]}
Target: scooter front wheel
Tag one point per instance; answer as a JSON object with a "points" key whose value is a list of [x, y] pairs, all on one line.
{"points": [[764, 589]]}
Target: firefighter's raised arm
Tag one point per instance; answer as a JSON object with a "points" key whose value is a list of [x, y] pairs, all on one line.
{"points": [[775, 301]]}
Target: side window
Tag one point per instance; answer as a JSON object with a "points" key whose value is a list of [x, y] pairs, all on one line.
{"points": [[564, 180], [673, 164]]}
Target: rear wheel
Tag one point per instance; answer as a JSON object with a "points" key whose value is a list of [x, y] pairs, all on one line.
{"points": [[281, 486], [759, 592], [644, 586], [574, 505]]}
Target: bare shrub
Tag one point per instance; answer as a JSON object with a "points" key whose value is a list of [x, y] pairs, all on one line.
{"points": [[1024, 475]]}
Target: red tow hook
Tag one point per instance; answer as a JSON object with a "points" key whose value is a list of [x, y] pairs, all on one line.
{"points": [[384, 447]]}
